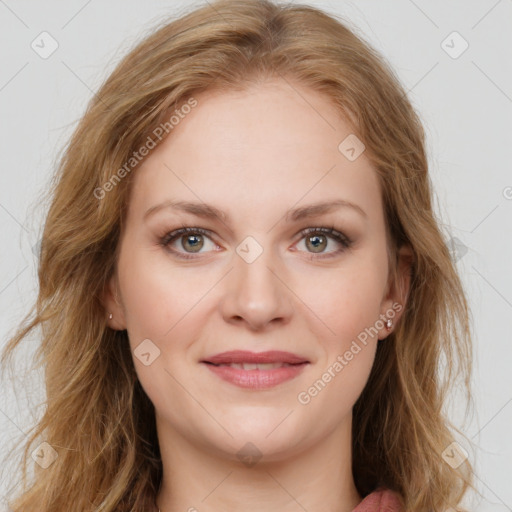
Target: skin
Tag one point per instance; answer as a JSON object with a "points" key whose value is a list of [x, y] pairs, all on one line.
{"points": [[254, 155]]}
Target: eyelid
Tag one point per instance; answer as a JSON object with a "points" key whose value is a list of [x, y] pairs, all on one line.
{"points": [[175, 234], [329, 231]]}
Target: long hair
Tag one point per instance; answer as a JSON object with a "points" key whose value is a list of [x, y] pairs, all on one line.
{"points": [[97, 418]]}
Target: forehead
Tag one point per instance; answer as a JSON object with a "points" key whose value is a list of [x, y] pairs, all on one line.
{"points": [[271, 146]]}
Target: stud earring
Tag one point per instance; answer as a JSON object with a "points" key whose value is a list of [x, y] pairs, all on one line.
{"points": [[110, 316], [389, 324]]}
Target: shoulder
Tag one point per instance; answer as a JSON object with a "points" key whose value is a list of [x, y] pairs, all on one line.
{"points": [[381, 500]]}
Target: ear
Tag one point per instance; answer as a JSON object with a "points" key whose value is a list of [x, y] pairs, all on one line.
{"points": [[397, 291], [113, 306]]}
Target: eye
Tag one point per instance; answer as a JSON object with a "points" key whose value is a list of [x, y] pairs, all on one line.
{"points": [[193, 240], [316, 239]]}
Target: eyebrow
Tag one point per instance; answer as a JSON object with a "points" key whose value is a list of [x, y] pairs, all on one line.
{"points": [[208, 211]]}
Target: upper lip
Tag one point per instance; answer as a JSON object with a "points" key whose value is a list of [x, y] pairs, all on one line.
{"points": [[244, 356]]}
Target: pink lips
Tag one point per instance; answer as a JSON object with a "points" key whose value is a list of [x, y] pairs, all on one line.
{"points": [[256, 378]]}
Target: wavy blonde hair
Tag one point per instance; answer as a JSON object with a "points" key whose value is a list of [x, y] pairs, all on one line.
{"points": [[97, 416]]}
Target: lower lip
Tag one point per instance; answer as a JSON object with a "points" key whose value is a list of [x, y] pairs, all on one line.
{"points": [[257, 379]]}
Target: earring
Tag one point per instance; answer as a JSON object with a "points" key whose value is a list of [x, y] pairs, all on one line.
{"points": [[110, 316], [389, 324]]}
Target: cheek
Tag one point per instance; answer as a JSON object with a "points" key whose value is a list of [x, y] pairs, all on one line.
{"points": [[161, 306], [156, 296], [344, 302], [349, 307]]}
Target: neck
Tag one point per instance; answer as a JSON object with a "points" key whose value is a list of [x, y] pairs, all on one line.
{"points": [[197, 479]]}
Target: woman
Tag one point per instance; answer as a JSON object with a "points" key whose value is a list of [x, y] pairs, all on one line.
{"points": [[244, 296]]}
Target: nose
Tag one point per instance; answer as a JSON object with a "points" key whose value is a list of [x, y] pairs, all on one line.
{"points": [[256, 293]]}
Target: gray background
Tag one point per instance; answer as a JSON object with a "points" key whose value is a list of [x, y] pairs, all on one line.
{"points": [[465, 102]]}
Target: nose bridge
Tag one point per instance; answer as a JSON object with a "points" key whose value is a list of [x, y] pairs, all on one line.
{"points": [[256, 291]]}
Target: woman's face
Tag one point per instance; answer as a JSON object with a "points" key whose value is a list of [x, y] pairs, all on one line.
{"points": [[251, 281]]}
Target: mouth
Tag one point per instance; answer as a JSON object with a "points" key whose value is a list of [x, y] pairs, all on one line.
{"points": [[256, 370], [261, 359], [255, 366]]}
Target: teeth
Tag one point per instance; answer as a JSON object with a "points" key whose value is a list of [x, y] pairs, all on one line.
{"points": [[252, 366]]}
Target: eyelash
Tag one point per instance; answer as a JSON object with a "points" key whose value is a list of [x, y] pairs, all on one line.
{"points": [[333, 233]]}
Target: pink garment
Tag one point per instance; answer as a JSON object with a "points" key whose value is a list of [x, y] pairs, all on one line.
{"points": [[381, 500]]}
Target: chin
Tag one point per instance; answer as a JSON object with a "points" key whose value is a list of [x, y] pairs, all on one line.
{"points": [[268, 439]]}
